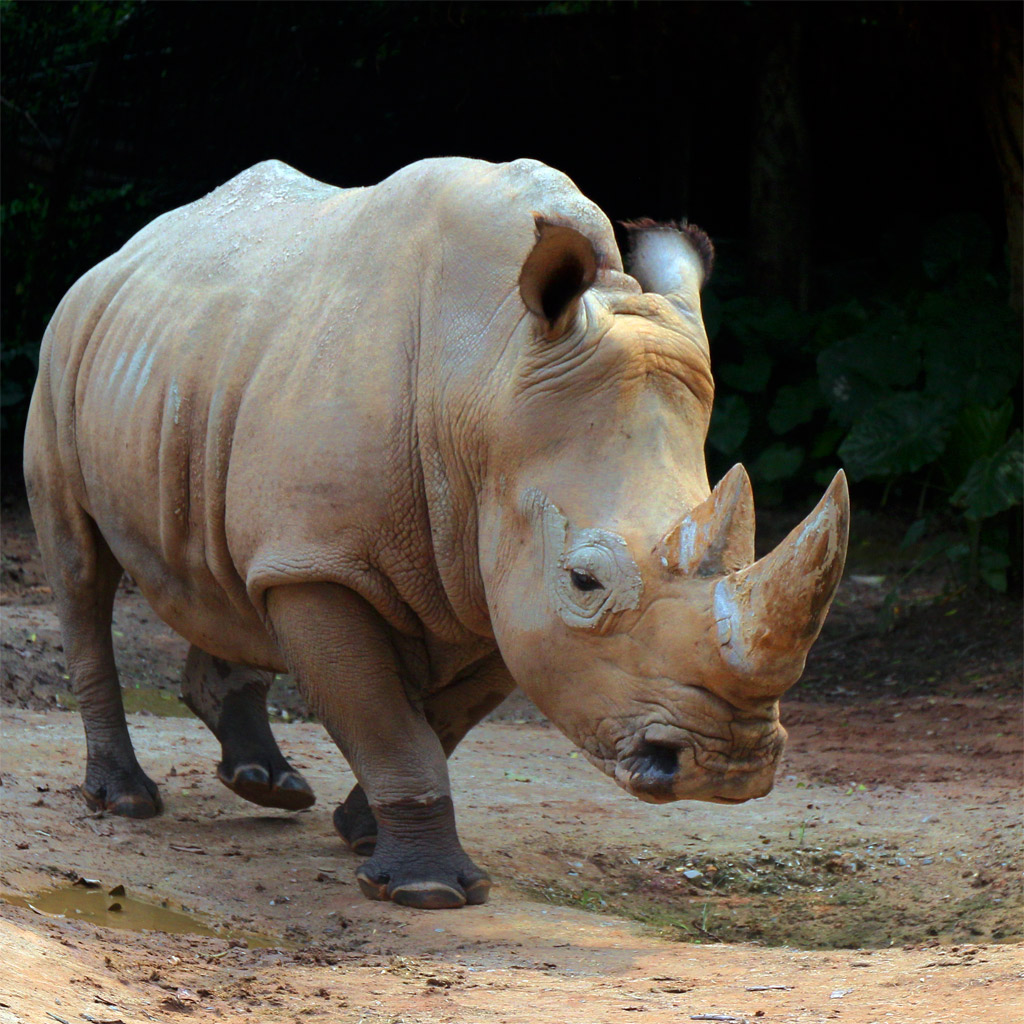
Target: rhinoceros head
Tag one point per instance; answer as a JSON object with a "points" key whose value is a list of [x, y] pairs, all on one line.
{"points": [[623, 592]]}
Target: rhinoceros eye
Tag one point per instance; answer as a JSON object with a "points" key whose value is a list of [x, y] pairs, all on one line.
{"points": [[584, 581]]}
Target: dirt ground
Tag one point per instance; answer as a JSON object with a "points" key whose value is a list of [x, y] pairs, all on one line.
{"points": [[879, 882]]}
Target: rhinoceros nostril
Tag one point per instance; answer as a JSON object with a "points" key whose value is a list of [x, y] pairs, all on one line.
{"points": [[657, 761]]}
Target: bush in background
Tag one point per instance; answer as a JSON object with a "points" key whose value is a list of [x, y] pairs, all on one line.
{"points": [[917, 392]]}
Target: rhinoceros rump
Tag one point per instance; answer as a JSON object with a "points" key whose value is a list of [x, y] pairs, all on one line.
{"points": [[415, 443]]}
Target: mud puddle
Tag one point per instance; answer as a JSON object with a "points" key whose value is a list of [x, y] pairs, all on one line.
{"points": [[150, 700], [167, 703], [87, 900]]}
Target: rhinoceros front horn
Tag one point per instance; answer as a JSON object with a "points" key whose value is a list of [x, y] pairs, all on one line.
{"points": [[769, 614]]}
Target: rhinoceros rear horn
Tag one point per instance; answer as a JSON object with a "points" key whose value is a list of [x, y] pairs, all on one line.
{"points": [[717, 536], [770, 613], [561, 267]]}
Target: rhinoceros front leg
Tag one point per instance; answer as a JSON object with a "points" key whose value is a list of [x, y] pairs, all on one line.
{"points": [[343, 656], [451, 713], [232, 701]]}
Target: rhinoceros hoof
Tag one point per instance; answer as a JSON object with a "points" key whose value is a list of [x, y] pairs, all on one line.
{"points": [[360, 835], [127, 792], [413, 886], [356, 824], [286, 789]]}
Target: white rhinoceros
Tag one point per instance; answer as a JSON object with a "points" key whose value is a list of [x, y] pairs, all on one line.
{"points": [[416, 443]]}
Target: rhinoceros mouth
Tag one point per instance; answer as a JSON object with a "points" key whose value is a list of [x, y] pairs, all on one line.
{"points": [[661, 764]]}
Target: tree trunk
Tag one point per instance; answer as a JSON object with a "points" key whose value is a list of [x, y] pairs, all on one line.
{"points": [[1004, 114], [779, 174]]}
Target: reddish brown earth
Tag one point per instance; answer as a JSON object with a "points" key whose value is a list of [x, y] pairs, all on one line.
{"points": [[880, 881]]}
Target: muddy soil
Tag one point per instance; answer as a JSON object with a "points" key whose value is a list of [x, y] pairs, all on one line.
{"points": [[880, 881]]}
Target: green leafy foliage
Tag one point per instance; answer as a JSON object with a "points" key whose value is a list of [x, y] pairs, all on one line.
{"points": [[795, 405], [859, 370], [751, 375], [730, 421], [54, 219], [915, 392], [994, 482], [904, 432], [778, 462]]}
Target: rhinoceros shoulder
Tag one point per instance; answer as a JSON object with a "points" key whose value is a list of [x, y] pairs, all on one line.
{"points": [[268, 183], [476, 199]]}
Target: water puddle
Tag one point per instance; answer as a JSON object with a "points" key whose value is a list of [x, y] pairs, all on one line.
{"points": [[162, 703], [87, 900], [283, 701]]}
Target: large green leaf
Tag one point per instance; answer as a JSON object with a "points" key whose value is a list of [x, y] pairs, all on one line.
{"points": [[903, 433], [994, 483], [827, 441], [980, 430], [971, 351], [755, 321], [794, 405], [777, 462], [730, 421], [884, 352], [784, 327], [859, 371], [970, 339], [840, 322], [750, 375]]}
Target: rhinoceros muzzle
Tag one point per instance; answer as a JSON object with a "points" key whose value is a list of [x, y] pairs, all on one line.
{"points": [[663, 763]]}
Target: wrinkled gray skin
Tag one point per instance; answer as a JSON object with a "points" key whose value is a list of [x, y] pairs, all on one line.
{"points": [[413, 443]]}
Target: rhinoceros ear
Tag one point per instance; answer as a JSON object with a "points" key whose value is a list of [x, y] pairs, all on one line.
{"points": [[674, 260], [561, 267]]}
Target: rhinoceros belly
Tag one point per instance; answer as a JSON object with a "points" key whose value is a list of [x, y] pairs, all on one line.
{"points": [[154, 418]]}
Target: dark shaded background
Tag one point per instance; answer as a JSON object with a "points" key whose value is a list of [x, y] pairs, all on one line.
{"points": [[858, 165]]}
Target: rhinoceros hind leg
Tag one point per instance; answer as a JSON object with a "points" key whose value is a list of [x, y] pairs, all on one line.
{"points": [[252, 764], [429, 874], [131, 793], [83, 574], [355, 822], [232, 701]]}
